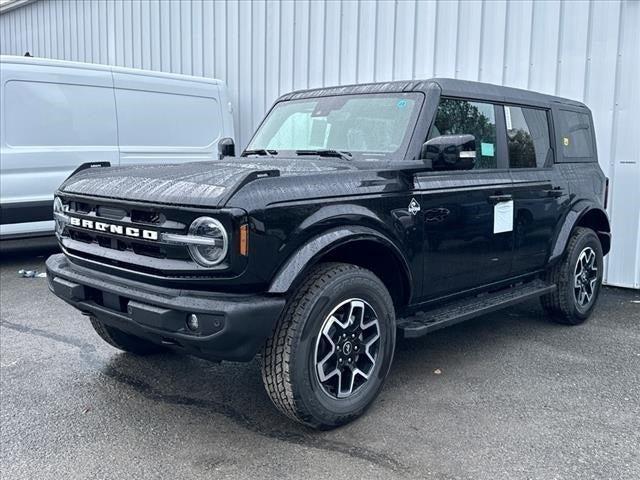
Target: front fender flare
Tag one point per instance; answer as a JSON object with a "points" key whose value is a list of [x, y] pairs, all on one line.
{"points": [[313, 250]]}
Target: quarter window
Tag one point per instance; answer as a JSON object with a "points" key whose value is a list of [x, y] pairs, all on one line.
{"points": [[462, 117], [527, 137], [575, 134]]}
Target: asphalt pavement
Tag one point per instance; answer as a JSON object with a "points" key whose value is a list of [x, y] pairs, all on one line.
{"points": [[505, 396]]}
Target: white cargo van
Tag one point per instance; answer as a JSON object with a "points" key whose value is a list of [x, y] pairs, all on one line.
{"points": [[57, 115]]}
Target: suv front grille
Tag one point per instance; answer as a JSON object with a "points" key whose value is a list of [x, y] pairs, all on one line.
{"points": [[151, 217], [137, 254]]}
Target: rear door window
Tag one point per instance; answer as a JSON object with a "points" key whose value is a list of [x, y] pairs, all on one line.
{"points": [[575, 134], [527, 137], [464, 117], [149, 119]]}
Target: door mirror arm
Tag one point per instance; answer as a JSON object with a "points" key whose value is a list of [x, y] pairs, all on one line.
{"points": [[450, 152], [226, 148]]}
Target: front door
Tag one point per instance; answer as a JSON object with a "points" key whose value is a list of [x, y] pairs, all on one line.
{"points": [[467, 210], [462, 247]]}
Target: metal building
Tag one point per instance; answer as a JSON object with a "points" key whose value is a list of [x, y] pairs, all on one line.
{"points": [[584, 50]]}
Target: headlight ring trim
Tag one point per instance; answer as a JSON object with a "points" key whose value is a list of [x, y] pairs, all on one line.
{"points": [[194, 242]]}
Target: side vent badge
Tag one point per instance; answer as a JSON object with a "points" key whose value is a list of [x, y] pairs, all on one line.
{"points": [[414, 206]]}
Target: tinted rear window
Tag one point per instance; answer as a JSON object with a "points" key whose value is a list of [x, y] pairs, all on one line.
{"points": [[527, 137], [576, 137]]}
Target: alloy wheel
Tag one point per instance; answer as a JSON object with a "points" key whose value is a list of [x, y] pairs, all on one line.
{"points": [[585, 277], [347, 348]]}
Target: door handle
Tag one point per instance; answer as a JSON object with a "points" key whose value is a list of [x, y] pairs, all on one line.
{"points": [[554, 192], [499, 198]]}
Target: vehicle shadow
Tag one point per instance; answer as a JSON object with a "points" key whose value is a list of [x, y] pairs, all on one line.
{"points": [[235, 390], [200, 392], [230, 390], [489, 330]]}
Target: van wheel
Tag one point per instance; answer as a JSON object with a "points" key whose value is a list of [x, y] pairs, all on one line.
{"points": [[578, 277], [332, 348], [124, 341]]}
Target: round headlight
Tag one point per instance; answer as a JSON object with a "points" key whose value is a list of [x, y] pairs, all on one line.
{"points": [[211, 242], [59, 216]]}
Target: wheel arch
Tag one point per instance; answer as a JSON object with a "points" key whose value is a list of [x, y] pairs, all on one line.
{"points": [[583, 214], [361, 246]]}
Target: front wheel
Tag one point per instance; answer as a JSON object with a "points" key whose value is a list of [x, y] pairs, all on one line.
{"points": [[578, 278], [331, 350]]}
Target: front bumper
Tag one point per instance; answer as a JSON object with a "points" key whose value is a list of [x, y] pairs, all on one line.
{"points": [[232, 327]]}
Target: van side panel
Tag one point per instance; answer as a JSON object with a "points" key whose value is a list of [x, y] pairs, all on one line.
{"points": [[167, 120], [53, 119]]}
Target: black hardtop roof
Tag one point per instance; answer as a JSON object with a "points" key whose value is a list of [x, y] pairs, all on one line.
{"points": [[450, 87]]}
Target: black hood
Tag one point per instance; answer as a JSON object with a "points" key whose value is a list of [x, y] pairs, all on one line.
{"points": [[207, 184]]}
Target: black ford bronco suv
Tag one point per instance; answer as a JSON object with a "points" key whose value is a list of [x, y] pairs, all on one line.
{"points": [[355, 214]]}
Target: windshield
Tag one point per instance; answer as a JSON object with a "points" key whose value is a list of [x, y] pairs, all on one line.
{"points": [[373, 124]]}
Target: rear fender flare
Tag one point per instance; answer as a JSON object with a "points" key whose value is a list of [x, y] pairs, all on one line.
{"points": [[571, 220]]}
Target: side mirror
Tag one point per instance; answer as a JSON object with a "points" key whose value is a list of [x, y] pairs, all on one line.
{"points": [[226, 148], [450, 152]]}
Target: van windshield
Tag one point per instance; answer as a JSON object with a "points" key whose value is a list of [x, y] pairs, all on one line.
{"points": [[358, 125]]}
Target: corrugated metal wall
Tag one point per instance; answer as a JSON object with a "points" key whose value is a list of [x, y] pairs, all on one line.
{"points": [[585, 50]]}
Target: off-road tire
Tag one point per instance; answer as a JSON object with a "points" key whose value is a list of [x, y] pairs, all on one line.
{"points": [[288, 363], [124, 341], [562, 305]]}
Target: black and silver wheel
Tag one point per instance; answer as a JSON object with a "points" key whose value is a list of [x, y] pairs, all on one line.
{"points": [[578, 277], [347, 348], [124, 341], [332, 348], [585, 277]]}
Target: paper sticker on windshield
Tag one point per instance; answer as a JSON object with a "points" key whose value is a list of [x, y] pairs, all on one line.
{"points": [[486, 149], [401, 103], [565, 141]]}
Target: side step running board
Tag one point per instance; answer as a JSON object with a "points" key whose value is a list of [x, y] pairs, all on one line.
{"points": [[461, 310]]}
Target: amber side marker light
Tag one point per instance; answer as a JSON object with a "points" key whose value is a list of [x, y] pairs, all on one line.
{"points": [[244, 240]]}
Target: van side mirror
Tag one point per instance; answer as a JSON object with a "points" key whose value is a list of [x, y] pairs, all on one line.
{"points": [[226, 148], [450, 152]]}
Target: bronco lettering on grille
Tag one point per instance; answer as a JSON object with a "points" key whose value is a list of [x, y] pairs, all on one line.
{"points": [[115, 229]]}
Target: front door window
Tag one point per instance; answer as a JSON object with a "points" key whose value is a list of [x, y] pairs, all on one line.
{"points": [[464, 117]]}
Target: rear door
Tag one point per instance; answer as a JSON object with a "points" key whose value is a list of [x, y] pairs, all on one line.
{"points": [[540, 193], [468, 238], [54, 119], [166, 119]]}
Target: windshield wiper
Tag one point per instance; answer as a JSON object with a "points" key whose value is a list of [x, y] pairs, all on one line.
{"points": [[327, 153], [260, 152]]}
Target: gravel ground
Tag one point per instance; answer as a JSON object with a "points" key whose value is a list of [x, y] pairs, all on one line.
{"points": [[506, 396]]}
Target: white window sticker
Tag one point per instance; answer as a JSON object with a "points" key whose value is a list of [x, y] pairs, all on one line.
{"points": [[507, 118], [503, 217]]}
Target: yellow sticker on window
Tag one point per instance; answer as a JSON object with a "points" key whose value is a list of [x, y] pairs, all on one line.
{"points": [[565, 141]]}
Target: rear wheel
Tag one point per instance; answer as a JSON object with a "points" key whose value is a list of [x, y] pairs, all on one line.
{"points": [[578, 277], [124, 341], [332, 348]]}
